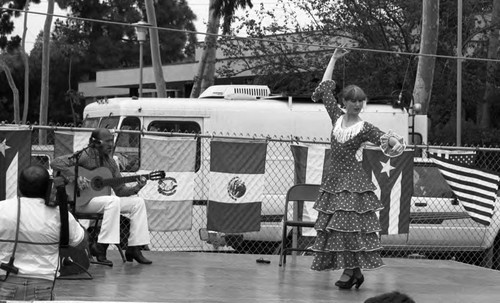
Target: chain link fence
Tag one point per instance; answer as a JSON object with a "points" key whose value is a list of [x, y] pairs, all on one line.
{"points": [[440, 227]]}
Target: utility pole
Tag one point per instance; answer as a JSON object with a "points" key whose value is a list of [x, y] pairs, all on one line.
{"points": [[155, 49]]}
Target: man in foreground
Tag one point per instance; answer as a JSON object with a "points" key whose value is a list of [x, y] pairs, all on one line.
{"points": [[29, 239]]}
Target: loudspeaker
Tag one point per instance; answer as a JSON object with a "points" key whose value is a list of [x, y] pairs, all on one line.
{"points": [[74, 260]]}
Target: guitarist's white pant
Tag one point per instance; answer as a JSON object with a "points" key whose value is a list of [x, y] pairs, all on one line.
{"points": [[111, 207]]}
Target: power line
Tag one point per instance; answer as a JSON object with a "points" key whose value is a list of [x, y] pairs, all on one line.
{"points": [[324, 47]]}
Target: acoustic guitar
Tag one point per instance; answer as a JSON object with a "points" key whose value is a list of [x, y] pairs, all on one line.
{"points": [[101, 181]]}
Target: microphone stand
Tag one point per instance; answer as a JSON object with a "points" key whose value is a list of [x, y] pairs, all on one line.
{"points": [[76, 157]]}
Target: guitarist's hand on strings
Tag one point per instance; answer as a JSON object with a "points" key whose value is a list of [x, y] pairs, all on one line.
{"points": [[83, 183]]}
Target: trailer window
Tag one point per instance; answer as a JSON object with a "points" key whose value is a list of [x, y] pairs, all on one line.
{"points": [[175, 127], [127, 145], [109, 122], [90, 123], [189, 127], [428, 182]]}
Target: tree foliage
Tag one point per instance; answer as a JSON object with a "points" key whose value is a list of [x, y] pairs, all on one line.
{"points": [[7, 24], [225, 9], [310, 31], [115, 46], [80, 48], [290, 54]]}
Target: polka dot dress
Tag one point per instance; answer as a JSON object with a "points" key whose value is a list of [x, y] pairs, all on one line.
{"points": [[347, 224]]}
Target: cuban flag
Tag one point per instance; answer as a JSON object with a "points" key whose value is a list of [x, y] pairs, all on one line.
{"points": [[236, 185], [393, 178], [169, 201], [310, 162], [68, 142], [15, 155]]}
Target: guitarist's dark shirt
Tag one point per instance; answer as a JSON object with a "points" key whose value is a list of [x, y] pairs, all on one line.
{"points": [[92, 159]]}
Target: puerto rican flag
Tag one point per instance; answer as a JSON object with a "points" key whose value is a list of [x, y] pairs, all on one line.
{"points": [[15, 155], [393, 178]]}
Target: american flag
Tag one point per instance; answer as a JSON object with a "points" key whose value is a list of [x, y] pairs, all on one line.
{"points": [[475, 189]]}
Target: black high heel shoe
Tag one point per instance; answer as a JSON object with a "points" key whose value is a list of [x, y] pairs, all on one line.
{"points": [[353, 280], [134, 253], [98, 250]]}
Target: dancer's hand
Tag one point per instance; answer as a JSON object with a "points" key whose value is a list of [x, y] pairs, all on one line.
{"points": [[340, 52], [397, 148]]}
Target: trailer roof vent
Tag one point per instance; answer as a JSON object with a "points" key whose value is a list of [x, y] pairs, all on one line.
{"points": [[240, 92]]}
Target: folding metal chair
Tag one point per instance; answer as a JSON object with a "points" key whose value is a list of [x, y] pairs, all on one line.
{"points": [[298, 194], [96, 217]]}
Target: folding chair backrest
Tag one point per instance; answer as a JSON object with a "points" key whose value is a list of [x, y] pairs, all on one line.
{"points": [[297, 193], [303, 192]]}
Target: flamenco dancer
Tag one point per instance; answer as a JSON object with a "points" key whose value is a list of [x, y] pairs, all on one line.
{"points": [[347, 223]]}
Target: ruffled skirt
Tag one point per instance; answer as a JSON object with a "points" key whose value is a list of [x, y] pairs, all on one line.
{"points": [[347, 227]]}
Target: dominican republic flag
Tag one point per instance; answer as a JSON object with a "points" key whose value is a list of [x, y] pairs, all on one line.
{"points": [[310, 163], [236, 185], [68, 142], [15, 155], [393, 178], [169, 201], [476, 189]]}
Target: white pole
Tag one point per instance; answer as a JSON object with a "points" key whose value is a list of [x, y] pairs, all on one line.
{"points": [[459, 74], [141, 45]]}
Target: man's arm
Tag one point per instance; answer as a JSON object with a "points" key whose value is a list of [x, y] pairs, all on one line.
{"points": [[78, 236], [124, 190], [64, 165]]}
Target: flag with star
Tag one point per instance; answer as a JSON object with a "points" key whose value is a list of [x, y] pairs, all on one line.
{"points": [[393, 178], [15, 155]]}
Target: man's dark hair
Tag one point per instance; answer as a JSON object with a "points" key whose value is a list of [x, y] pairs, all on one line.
{"points": [[34, 181], [391, 297]]}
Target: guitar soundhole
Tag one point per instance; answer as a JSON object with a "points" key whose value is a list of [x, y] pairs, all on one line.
{"points": [[97, 183]]}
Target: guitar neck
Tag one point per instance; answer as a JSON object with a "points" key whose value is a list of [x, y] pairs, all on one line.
{"points": [[121, 180]]}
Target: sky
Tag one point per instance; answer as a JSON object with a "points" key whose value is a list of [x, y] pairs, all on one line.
{"points": [[36, 21]]}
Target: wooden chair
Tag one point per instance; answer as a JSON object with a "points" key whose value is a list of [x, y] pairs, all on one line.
{"points": [[298, 194]]}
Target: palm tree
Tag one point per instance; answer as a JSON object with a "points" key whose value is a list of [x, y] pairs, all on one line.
{"points": [[155, 50], [428, 45], [44, 95], [26, 64], [206, 69], [15, 92], [485, 105]]}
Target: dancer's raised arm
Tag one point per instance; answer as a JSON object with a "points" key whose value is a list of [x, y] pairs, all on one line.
{"points": [[337, 54]]}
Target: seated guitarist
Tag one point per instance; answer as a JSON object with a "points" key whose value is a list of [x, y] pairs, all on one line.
{"points": [[99, 154]]}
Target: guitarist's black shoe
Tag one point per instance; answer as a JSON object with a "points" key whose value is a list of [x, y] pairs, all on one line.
{"points": [[134, 253], [98, 250]]}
